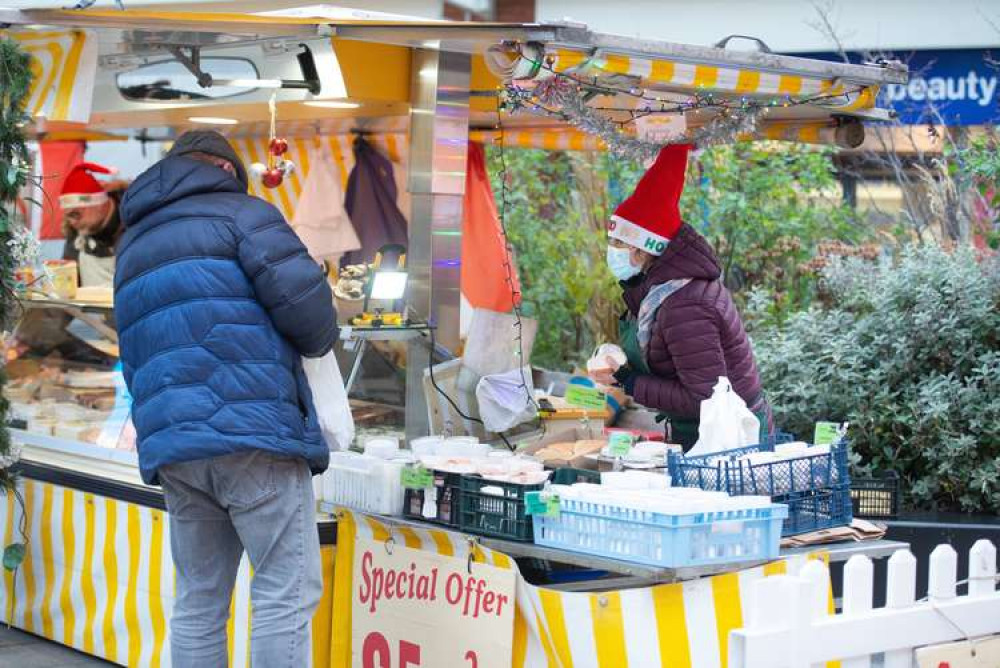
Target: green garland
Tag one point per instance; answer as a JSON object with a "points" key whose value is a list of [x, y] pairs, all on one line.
{"points": [[15, 86]]}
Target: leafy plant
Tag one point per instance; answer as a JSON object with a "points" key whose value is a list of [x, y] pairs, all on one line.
{"points": [[981, 160], [909, 354], [15, 82], [766, 208]]}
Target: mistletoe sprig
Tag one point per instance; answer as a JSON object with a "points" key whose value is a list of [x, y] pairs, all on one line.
{"points": [[15, 86]]}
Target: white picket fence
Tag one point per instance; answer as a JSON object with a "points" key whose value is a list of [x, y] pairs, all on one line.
{"points": [[790, 626]]}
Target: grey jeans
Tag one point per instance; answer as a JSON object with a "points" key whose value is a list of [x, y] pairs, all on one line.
{"points": [[258, 502]]}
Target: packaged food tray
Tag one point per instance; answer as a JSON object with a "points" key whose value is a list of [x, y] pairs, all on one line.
{"points": [[669, 541], [496, 509], [446, 490]]}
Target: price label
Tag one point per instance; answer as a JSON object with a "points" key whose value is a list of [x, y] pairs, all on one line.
{"points": [[620, 444], [586, 397], [416, 477], [826, 433], [541, 504]]}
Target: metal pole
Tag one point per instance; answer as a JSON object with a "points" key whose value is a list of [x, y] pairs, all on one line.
{"points": [[439, 135]]}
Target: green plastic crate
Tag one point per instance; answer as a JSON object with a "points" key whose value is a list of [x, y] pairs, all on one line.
{"points": [[496, 515]]}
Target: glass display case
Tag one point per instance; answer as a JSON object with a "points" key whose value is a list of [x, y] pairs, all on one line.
{"points": [[69, 407]]}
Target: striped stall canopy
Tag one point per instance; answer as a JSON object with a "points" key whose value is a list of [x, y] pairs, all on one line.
{"points": [[684, 625], [63, 67], [846, 135], [98, 577], [656, 73], [253, 149], [555, 139]]}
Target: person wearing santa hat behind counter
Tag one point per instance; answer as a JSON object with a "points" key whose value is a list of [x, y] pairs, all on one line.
{"points": [[91, 223], [681, 330]]}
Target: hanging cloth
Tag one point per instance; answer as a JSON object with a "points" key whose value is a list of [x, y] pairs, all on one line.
{"points": [[484, 276], [371, 204], [320, 219]]}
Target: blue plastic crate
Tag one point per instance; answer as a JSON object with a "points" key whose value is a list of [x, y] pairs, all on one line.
{"points": [[709, 472], [669, 541], [818, 509], [816, 488]]}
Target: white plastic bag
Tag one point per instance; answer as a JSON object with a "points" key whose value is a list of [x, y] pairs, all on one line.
{"points": [[504, 402], [330, 399], [726, 422]]}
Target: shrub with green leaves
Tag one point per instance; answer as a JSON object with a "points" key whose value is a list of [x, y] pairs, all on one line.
{"points": [[909, 354]]}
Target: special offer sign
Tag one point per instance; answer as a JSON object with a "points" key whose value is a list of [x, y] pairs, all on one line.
{"points": [[412, 608]]}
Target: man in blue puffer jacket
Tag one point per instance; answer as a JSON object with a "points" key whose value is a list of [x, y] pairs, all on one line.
{"points": [[216, 301]]}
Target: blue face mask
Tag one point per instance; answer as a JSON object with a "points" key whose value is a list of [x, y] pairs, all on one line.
{"points": [[620, 264]]}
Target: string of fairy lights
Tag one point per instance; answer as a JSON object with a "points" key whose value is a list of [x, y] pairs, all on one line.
{"points": [[565, 96]]}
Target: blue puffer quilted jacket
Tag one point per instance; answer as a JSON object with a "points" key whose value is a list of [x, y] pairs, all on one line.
{"points": [[216, 299]]}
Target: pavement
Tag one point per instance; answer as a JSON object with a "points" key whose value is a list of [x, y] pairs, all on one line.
{"points": [[23, 650]]}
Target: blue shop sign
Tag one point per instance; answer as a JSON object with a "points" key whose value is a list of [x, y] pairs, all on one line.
{"points": [[957, 86]]}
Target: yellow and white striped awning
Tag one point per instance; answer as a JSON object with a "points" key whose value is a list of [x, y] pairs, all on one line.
{"points": [[570, 139], [675, 75], [63, 66]]}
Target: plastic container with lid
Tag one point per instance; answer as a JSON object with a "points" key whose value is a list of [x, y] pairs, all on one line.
{"points": [[383, 447]]}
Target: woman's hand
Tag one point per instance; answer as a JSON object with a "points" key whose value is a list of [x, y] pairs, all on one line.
{"points": [[605, 375]]}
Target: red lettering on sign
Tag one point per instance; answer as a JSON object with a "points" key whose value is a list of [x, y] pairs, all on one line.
{"points": [[471, 657], [409, 654], [453, 589], [390, 582], [366, 584], [376, 645]]}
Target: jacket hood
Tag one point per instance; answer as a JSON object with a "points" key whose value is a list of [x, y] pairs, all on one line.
{"points": [[688, 255], [172, 179]]}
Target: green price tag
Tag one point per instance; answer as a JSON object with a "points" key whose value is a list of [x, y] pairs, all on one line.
{"points": [[416, 477], [541, 504], [620, 444], [826, 433], [585, 397]]}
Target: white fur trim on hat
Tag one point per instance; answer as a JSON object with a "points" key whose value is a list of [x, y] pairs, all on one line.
{"points": [[628, 232], [79, 200]]}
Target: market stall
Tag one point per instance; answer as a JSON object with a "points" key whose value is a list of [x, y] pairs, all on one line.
{"points": [[343, 90]]}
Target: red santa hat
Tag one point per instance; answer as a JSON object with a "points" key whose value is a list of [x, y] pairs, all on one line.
{"points": [[80, 187], [651, 217]]}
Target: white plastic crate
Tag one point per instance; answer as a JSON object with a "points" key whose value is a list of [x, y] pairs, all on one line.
{"points": [[670, 541], [364, 483]]}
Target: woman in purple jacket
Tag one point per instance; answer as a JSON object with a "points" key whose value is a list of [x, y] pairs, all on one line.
{"points": [[681, 330]]}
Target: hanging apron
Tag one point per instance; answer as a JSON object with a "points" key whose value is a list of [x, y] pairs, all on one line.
{"points": [[634, 335]]}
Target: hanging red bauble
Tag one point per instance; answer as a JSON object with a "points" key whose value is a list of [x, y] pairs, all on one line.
{"points": [[273, 177], [278, 146]]}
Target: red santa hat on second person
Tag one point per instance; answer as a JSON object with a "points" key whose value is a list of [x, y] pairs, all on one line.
{"points": [[651, 217], [80, 187]]}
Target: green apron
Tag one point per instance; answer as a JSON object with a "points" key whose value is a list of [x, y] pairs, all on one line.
{"points": [[683, 431]]}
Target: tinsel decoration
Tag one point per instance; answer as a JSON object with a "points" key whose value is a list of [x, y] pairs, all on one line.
{"points": [[15, 84], [566, 99]]}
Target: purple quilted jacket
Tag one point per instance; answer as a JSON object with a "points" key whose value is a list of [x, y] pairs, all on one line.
{"points": [[698, 335]]}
